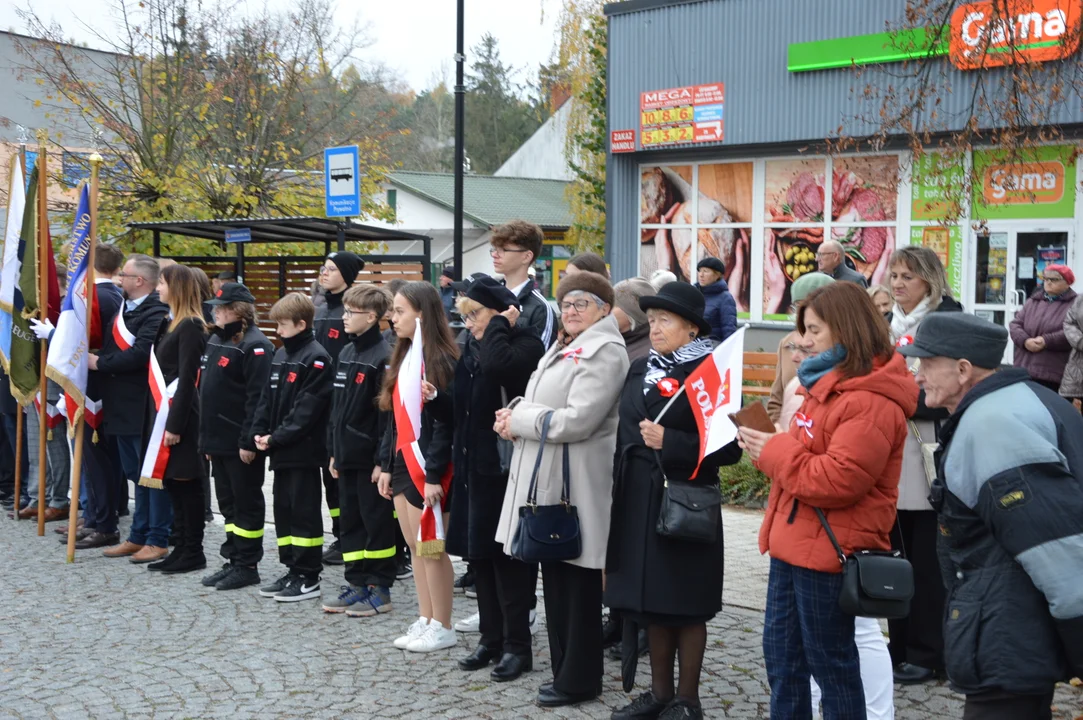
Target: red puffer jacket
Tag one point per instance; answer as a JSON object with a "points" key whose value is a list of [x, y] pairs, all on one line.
{"points": [[843, 454]]}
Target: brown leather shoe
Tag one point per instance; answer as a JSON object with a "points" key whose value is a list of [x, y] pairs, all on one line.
{"points": [[149, 553], [54, 514], [124, 549], [28, 512], [63, 529]]}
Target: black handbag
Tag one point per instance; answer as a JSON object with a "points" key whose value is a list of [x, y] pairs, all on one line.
{"points": [[689, 511], [547, 533], [875, 583]]}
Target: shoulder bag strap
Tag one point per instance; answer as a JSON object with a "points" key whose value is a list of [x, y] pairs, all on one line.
{"points": [[532, 492], [831, 535], [566, 493]]}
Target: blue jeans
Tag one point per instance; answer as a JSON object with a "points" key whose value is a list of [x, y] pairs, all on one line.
{"points": [[806, 634], [152, 520]]}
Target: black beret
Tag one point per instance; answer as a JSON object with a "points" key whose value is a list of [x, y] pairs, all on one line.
{"points": [[490, 293]]}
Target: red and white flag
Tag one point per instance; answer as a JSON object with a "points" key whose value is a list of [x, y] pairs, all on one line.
{"points": [[408, 401], [157, 457], [714, 391]]}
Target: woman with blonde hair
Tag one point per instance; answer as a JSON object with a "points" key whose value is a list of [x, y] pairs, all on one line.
{"points": [[419, 302], [175, 370], [881, 298]]}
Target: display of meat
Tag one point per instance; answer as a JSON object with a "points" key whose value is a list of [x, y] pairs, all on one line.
{"points": [[657, 196], [805, 198]]}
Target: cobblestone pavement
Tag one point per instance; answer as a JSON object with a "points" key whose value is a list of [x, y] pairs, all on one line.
{"points": [[106, 639]]}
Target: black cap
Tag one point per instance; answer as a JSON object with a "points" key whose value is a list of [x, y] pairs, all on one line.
{"points": [[449, 272], [712, 263], [489, 292], [227, 275], [231, 292], [464, 284], [348, 264], [681, 299], [959, 336]]}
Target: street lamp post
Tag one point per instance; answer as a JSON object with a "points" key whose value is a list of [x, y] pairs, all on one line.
{"points": [[460, 151]]}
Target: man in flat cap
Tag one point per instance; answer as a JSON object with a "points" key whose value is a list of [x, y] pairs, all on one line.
{"points": [[1009, 495]]}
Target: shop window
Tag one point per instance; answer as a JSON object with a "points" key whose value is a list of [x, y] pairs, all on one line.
{"points": [[795, 205]]}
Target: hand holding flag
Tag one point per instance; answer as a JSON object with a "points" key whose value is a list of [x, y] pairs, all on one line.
{"points": [[714, 391]]}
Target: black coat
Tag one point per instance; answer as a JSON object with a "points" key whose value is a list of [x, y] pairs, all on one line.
{"points": [[179, 352], [328, 327], [123, 373], [110, 301], [504, 358], [645, 572], [435, 440], [234, 375], [356, 425]]}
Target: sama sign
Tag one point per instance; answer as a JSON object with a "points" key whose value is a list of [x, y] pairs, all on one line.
{"points": [[990, 33], [342, 187]]}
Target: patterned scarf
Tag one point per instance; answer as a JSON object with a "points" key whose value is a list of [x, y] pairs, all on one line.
{"points": [[658, 365]]}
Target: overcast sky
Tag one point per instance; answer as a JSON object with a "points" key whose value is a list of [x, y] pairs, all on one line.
{"points": [[414, 37]]}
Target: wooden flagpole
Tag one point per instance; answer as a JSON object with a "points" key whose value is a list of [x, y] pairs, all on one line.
{"points": [[80, 427], [19, 410], [43, 315]]}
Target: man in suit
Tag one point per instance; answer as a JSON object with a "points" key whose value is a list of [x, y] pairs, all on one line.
{"points": [[122, 373]]}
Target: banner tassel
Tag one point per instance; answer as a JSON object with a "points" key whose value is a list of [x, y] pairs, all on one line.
{"points": [[152, 483], [94, 437], [49, 435]]}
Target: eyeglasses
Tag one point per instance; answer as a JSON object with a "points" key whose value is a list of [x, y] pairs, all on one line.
{"points": [[1052, 278], [472, 316], [496, 252], [578, 305], [347, 312], [328, 269], [129, 275]]}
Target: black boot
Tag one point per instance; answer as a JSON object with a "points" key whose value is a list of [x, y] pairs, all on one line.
{"points": [[188, 510]]}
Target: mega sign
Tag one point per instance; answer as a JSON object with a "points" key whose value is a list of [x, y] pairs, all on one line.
{"points": [[675, 116], [988, 34]]}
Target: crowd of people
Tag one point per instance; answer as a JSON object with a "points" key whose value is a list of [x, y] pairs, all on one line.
{"points": [[896, 431]]}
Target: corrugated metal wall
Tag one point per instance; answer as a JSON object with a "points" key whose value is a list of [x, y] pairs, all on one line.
{"points": [[743, 43]]}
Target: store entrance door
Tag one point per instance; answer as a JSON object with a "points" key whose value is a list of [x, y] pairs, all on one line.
{"points": [[1007, 268]]}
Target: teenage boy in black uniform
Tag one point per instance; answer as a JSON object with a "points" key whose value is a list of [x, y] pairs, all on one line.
{"points": [[354, 432], [236, 366], [337, 275], [291, 424]]}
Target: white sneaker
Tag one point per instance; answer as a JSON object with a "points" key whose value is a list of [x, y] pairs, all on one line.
{"points": [[471, 624], [412, 633], [535, 626], [435, 637]]}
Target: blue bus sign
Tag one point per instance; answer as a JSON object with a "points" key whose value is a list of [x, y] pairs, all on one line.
{"points": [[239, 235], [342, 187]]}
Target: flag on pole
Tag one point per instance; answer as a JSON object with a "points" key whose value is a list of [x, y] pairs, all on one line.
{"points": [[408, 401], [67, 359], [9, 270], [25, 363], [714, 391]]}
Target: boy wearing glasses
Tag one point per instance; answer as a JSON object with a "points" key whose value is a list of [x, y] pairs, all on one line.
{"points": [[515, 247], [367, 520]]}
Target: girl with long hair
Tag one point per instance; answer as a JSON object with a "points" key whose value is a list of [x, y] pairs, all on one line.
{"points": [[433, 577], [177, 352]]}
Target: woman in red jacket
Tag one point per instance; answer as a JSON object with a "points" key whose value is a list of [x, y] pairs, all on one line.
{"points": [[842, 454]]}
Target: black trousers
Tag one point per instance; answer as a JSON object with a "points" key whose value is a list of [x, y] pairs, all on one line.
{"points": [[100, 478], [1005, 706], [7, 466], [299, 520], [187, 499], [573, 617], [334, 509], [367, 523], [919, 638], [239, 489], [505, 597]]}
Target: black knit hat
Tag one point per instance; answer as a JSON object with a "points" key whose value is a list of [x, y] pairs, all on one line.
{"points": [[489, 292], [681, 299], [712, 263], [348, 264]]}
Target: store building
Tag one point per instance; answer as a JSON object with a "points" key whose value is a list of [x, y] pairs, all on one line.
{"points": [[719, 111]]}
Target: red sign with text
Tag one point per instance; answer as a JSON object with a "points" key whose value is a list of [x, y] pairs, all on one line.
{"points": [[622, 141]]}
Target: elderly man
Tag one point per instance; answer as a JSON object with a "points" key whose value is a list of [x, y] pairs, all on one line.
{"points": [[831, 260], [1009, 494]]}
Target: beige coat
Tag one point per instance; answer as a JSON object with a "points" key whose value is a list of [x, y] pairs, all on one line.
{"points": [[913, 483], [581, 382]]}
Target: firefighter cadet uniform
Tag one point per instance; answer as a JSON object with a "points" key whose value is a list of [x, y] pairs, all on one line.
{"points": [[367, 519], [232, 378], [293, 411]]}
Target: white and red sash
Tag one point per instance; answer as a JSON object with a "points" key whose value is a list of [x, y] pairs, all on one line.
{"points": [[157, 457], [53, 416], [121, 335], [407, 412]]}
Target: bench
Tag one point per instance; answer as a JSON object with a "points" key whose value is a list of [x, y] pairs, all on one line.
{"points": [[759, 373]]}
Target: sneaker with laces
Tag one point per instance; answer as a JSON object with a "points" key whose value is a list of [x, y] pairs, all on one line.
{"points": [[412, 633], [377, 602], [436, 637], [645, 707], [299, 588], [276, 587], [682, 710], [348, 596], [471, 624], [241, 577], [464, 581], [212, 579], [471, 591], [333, 554], [405, 571]]}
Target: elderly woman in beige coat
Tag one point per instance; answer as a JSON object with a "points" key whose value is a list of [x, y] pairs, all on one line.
{"points": [[579, 380]]}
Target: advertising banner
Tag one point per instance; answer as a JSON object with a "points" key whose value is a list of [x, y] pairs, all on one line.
{"points": [[684, 115], [1041, 186], [936, 186]]}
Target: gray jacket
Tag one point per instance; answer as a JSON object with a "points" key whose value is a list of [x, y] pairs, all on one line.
{"points": [[842, 272]]}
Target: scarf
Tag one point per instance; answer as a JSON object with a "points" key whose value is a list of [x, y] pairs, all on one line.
{"points": [[903, 324], [658, 365], [298, 341], [811, 370]]}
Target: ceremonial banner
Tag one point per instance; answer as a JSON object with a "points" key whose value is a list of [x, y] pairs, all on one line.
{"points": [[9, 270]]}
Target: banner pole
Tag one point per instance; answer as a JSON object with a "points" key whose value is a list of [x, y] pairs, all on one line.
{"points": [[43, 314], [80, 426], [18, 458]]}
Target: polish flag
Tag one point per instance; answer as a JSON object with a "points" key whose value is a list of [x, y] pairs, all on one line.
{"points": [[714, 391]]}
